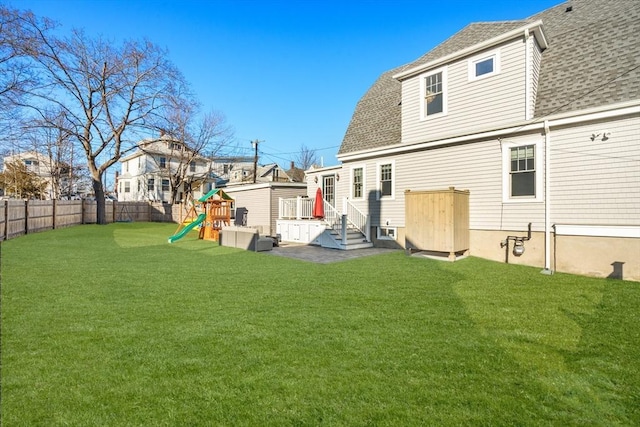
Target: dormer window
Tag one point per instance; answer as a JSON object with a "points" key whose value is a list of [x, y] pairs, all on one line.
{"points": [[485, 65], [433, 88]]}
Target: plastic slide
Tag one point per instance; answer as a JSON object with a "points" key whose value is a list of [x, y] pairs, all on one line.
{"points": [[179, 235]]}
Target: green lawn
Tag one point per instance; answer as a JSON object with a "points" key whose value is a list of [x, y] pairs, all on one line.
{"points": [[113, 326]]}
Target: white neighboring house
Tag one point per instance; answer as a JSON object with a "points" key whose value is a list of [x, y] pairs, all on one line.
{"points": [[146, 174], [56, 175]]}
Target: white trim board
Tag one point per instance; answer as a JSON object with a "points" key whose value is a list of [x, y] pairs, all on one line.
{"points": [[597, 230]]}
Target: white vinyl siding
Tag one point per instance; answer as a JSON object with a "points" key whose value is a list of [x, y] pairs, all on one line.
{"points": [[596, 182], [478, 104], [475, 166], [535, 58]]}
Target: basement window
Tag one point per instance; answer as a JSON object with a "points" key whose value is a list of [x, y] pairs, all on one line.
{"points": [[387, 233]]}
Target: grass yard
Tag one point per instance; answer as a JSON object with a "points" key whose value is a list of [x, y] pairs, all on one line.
{"points": [[113, 326]]}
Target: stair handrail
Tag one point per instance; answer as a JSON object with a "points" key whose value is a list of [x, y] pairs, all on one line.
{"points": [[332, 217], [357, 218]]}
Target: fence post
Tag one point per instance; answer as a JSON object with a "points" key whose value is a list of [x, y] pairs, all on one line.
{"points": [[6, 219], [26, 217]]}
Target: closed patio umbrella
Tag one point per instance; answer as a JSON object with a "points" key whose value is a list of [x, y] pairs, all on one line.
{"points": [[318, 206]]}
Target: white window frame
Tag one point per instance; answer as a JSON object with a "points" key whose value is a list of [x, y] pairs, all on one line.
{"points": [[380, 236], [423, 89], [506, 172], [495, 55], [364, 175], [379, 195]]}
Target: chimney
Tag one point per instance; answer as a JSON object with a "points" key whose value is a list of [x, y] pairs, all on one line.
{"points": [[293, 164]]}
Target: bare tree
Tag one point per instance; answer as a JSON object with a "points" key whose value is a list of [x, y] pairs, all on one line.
{"points": [[306, 158], [107, 93], [197, 136]]}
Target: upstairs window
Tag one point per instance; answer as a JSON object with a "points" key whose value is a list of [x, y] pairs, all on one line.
{"points": [[127, 187], [485, 65], [150, 184], [192, 167], [163, 162], [433, 87]]}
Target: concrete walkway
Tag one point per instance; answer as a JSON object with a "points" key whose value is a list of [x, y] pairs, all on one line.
{"points": [[323, 255]]}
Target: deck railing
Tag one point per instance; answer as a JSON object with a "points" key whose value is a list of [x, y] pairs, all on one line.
{"points": [[351, 216], [295, 208], [356, 218]]}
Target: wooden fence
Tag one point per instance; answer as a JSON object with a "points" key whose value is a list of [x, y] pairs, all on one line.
{"points": [[19, 217]]}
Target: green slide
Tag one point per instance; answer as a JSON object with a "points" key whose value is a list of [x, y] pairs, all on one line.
{"points": [[187, 229]]}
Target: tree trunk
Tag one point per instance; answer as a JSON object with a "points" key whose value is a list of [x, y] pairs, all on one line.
{"points": [[98, 191]]}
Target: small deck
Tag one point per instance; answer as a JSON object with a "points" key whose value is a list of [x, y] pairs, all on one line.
{"points": [[346, 230]]}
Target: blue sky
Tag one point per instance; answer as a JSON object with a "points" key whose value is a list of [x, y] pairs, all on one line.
{"points": [[287, 73]]}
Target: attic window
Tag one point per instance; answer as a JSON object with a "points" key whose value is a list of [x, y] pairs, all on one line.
{"points": [[483, 66]]}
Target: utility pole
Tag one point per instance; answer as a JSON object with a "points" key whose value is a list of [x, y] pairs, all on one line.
{"points": [[255, 159]]}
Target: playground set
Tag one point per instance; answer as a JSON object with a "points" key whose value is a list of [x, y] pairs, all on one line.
{"points": [[210, 212]]}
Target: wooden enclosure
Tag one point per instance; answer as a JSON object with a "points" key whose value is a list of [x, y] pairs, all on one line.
{"points": [[437, 221]]}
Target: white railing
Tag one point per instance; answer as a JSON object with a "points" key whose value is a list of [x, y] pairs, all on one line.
{"points": [[356, 218], [332, 216], [302, 208], [295, 208]]}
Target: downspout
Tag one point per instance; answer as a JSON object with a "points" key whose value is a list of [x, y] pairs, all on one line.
{"points": [[547, 199]]}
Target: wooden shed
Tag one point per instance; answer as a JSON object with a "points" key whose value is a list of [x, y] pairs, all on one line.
{"points": [[437, 221]]}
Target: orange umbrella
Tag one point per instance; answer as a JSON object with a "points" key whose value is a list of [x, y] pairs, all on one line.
{"points": [[318, 206]]}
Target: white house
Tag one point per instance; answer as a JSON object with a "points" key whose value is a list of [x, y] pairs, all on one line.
{"points": [[538, 119], [60, 182], [147, 173]]}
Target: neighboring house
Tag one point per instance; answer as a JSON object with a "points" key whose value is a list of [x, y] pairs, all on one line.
{"points": [[59, 182], [240, 170], [147, 173], [296, 174], [539, 119], [257, 205]]}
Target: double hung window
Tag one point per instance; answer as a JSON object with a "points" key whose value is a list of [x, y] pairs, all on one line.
{"points": [[433, 87]]}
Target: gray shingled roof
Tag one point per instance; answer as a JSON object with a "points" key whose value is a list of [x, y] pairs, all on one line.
{"points": [[592, 50]]}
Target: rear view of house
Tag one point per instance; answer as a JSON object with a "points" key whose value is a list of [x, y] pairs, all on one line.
{"points": [[538, 119]]}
